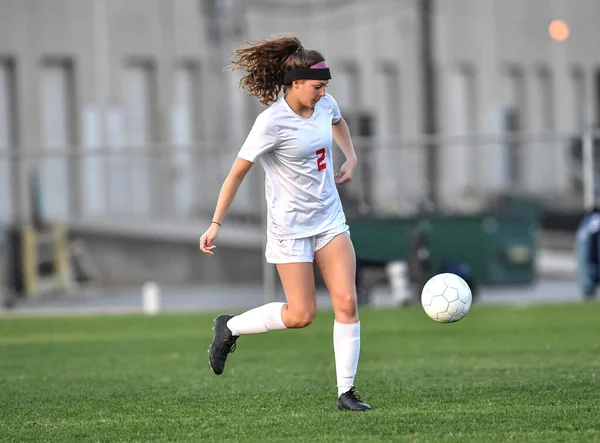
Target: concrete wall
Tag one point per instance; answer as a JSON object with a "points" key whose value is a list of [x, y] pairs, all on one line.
{"points": [[373, 48], [123, 261], [493, 38]]}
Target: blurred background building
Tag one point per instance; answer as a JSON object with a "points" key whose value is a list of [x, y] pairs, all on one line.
{"points": [[118, 121]]}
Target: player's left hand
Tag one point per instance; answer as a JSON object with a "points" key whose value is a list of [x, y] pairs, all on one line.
{"points": [[345, 174]]}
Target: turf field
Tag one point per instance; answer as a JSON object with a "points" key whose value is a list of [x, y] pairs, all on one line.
{"points": [[501, 374]]}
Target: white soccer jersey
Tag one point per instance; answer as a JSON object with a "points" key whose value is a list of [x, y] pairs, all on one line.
{"points": [[296, 154]]}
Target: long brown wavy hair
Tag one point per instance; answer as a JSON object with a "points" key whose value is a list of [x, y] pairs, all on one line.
{"points": [[267, 61]]}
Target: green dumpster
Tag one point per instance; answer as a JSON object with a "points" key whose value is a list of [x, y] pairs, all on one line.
{"points": [[499, 248]]}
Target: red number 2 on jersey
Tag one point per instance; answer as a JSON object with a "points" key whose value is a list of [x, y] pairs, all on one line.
{"points": [[321, 159]]}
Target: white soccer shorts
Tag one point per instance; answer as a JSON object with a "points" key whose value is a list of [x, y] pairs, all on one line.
{"points": [[301, 250]]}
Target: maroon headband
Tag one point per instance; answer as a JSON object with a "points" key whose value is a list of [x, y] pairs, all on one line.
{"points": [[320, 71]]}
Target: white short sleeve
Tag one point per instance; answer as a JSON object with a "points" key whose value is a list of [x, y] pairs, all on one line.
{"points": [[336, 115], [262, 138]]}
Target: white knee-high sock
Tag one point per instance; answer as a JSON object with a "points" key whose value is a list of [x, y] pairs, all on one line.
{"points": [[346, 346], [259, 320]]}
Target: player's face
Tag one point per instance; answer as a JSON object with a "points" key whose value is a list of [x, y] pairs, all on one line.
{"points": [[311, 91]]}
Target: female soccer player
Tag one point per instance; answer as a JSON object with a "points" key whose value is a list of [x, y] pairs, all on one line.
{"points": [[306, 222]]}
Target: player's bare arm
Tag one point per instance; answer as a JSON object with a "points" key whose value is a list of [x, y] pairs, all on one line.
{"points": [[228, 190], [341, 135]]}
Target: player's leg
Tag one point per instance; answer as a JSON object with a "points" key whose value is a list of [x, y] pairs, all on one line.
{"points": [[294, 264], [299, 288], [336, 262], [298, 281]]}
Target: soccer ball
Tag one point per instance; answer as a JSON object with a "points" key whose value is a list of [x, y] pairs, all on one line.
{"points": [[446, 298]]}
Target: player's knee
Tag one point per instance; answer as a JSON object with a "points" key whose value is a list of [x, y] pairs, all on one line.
{"points": [[300, 319], [346, 306]]}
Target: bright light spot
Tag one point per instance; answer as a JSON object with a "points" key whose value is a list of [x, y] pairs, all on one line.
{"points": [[558, 30]]}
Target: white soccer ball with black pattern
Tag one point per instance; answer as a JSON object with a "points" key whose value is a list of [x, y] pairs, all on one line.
{"points": [[446, 298]]}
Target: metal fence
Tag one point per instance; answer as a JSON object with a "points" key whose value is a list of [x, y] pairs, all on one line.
{"points": [[154, 182], [395, 174], [181, 183]]}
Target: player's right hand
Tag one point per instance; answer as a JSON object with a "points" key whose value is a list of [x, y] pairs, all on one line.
{"points": [[206, 241]]}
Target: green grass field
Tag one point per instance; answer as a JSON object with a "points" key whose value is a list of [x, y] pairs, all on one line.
{"points": [[501, 374]]}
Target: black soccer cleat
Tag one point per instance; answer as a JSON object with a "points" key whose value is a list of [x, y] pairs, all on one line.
{"points": [[223, 343], [350, 401]]}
